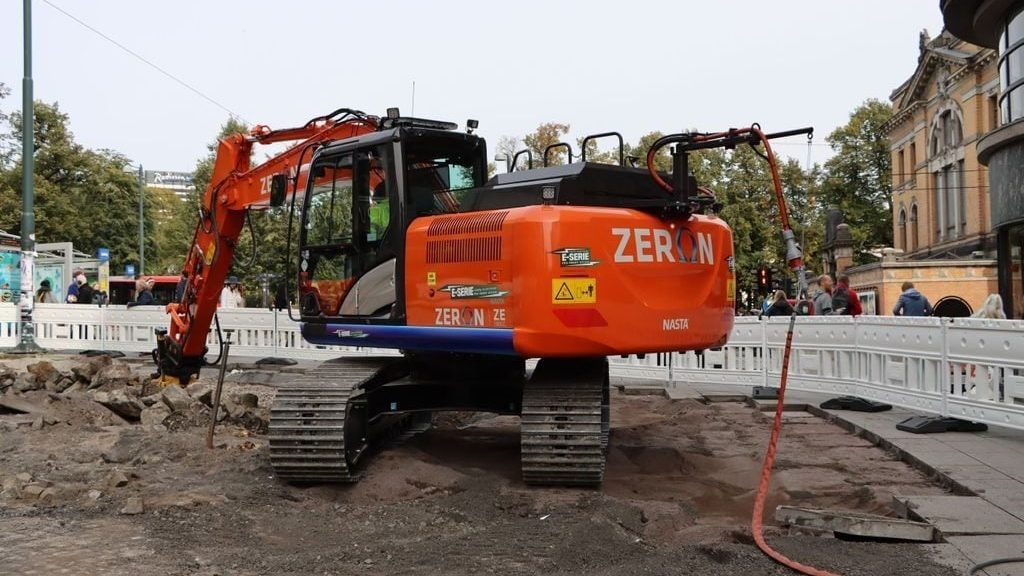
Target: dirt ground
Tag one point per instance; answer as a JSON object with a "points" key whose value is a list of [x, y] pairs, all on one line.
{"points": [[87, 492]]}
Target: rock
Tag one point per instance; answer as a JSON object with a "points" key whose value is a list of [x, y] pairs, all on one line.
{"points": [[49, 495], [124, 450], [155, 414], [64, 383], [85, 371], [26, 382], [18, 404], [205, 396], [248, 400], [117, 479], [38, 423], [7, 376], [33, 490], [24, 477], [50, 420], [121, 403], [176, 399], [11, 488], [151, 399], [94, 495], [44, 373], [114, 376], [133, 506], [75, 387]]}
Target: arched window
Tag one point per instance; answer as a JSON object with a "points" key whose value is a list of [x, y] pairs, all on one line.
{"points": [[901, 230], [945, 153], [913, 229]]}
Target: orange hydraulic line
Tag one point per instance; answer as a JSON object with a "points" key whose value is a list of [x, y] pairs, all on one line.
{"points": [[766, 473]]}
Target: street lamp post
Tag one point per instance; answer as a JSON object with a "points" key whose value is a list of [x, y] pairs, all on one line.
{"points": [[27, 342], [142, 221]]}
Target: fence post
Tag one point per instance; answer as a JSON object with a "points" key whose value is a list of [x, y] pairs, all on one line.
{"points": [[670, 372], [946, 377], [103, 329], [763, 321]]}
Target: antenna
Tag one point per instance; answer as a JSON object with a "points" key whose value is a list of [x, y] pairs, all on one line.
{"points": [[413, 112]]}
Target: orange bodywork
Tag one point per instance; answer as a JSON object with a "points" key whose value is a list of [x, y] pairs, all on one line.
{"points": [[575, 280]]}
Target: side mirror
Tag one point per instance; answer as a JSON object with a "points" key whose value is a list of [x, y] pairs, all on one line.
{"points": [[278, 189]]}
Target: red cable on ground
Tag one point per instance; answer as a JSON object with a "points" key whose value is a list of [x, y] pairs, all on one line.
{"points": [[766, 473]]}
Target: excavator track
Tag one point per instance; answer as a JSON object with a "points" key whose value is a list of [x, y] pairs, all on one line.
{"points": [[564, 434], [317, 430]]}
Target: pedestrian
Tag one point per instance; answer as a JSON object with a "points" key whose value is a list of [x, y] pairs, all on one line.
{"points": [[780, 305], [179, 290], [844, 299], [45, 293], [229, 295], [239, 291], [912, 302], [85, 291], [145, 292], [992, 308], [822, 299], [72, 296]]}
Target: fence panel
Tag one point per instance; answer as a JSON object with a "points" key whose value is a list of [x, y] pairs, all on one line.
{"points": [[969, 368]]}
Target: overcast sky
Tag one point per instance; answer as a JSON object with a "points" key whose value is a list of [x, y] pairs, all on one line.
{"points": [[632, 66]]}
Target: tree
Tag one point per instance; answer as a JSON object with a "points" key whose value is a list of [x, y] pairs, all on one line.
{"points": [[858, 179], [545, 135], [88, 197]]}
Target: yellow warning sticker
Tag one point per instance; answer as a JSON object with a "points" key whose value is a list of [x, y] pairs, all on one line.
{"points": [[730, 289], [574, 291], [431, 278], [208, 253]]}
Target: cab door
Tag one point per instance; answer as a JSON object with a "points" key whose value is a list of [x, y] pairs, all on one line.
{"points": [[346, 259]]}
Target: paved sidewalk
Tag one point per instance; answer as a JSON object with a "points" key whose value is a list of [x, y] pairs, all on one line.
{"points": [[982, 517]]}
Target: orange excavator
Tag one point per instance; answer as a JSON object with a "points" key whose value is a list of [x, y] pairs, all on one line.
{"points": [[403, 243]]}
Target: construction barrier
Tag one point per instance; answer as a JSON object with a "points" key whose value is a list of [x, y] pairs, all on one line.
{"points": [[967, 368]]}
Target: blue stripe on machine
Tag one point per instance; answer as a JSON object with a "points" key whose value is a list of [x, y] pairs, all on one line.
{"points": [[465, 340]]}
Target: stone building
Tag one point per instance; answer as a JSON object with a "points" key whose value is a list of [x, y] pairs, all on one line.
{"points": [[998, 25], [940, 202]]}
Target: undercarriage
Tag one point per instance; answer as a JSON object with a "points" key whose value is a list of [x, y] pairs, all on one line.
{"points": [[325, 423]]}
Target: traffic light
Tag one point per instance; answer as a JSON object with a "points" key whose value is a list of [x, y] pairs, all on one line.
{"points": [[764, 278]]}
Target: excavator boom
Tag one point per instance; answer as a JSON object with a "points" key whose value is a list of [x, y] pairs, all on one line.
{"points": [[236, 187]]}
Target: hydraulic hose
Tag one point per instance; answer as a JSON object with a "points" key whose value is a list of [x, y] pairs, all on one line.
{"points": [[794, 255], [766, 473]]}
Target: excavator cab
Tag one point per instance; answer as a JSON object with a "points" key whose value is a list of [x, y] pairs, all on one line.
{"points": [[361, 197]]}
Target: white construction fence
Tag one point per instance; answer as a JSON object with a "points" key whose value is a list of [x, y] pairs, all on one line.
{"points": [[967, 368]]}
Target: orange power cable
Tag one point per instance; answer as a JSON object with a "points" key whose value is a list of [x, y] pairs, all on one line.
{"points": [[766, 473]]}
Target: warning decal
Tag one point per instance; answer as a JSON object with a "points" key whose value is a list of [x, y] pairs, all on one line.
{"points": [[730, 289], [574, 291]]}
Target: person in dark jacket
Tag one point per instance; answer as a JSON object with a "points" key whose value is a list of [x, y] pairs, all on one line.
{"points": [[844, 299], [85, 291], [780, 305], [912, 303]]}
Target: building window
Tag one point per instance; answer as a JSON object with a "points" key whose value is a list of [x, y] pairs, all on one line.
{"points": [[1011, 69], [913, 228], [949, 197], [913, 158], [903, 171], [901, 230], [993, 112]]}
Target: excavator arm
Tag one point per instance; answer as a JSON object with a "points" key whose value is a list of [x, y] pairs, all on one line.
{"points": [[235, 188]]}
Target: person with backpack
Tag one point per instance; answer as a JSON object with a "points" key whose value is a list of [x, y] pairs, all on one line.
{"points": [[912, 302], [45, 293], [844, 299]]}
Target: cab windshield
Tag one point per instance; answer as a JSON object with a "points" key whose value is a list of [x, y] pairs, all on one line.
{"points": [[439, 171]]}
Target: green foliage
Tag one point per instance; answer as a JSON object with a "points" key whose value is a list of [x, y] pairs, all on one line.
{"points": [[88, 197], [545, 135], [858, 180]]}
